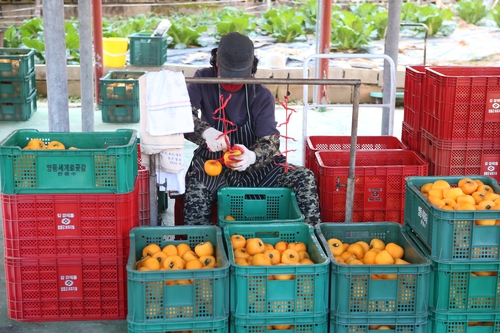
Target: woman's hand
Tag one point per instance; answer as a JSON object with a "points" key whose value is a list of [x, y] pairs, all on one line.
{"points": [[243, 161], [215, 140]]}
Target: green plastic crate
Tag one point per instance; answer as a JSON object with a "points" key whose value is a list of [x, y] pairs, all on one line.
{"points": [[21, 88], [122, 112], [455, 289], [451, 235], [352, 290], [465, 322], [310, 324], [18, 108], [105, 162], [250, 205], [255, 295], [357, 324], [204, 326], [150, 300], [120, 86], [147, 50], [16, 62]]}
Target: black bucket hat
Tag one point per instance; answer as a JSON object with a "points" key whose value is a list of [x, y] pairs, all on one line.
{"points": [[235, 56]]}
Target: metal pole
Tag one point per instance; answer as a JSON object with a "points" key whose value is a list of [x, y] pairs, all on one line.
{"points": [[55, 58], [99, 66], [153, 195], [349, 202], [391, 49], [86, 64], [323, 47]]}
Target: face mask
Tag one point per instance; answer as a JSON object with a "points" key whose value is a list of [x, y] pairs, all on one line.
{"points": [[231, 87]]}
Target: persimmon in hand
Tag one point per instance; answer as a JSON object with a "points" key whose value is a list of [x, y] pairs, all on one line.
{"points": [[228, 156]]}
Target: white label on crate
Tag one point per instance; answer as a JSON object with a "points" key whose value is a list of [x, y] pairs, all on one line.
{"points": [[490, 166], [423, 217], [492, 106], [67, 219], [70, 282]]}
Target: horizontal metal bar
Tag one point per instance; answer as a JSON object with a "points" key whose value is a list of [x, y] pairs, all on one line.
{"points": [[215, 80]]}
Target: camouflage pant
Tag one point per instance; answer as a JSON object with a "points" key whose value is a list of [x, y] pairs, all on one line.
{"points": [[198, 199]]}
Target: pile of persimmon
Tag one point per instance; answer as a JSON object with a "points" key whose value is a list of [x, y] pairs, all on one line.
{"points": [[468, 194], [177, 257], [255, 252], [377, 252], [38, 144]]}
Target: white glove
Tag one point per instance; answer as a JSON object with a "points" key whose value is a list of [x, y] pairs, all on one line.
{"points": [[216, 140], [243, 161]]}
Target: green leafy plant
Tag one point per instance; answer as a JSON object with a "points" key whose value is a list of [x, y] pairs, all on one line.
{"points": [[375, 15], [183, 34], [495, 14], [124, 28], [231, 19], [430, 15], [349, 32], [284, 24], [471, 11], [309, 10]]}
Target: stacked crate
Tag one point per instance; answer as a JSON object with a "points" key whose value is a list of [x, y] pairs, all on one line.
{"points": [[379, 184], [459, 120], [147, 50], [17, 84], [378, 192], [66, 218], [178, 300], [292, 298], [368, 297], [413, 104], [464, 286], [120, 96]]}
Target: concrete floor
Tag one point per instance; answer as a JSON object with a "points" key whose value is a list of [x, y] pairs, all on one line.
{"points": [[334, 121]]}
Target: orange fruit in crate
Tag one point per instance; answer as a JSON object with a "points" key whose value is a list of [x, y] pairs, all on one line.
{"points": [[208, 261], [357, 250], [182, 248], [290, 256], [36, 144], [467, 185], [254, 246], [452, 193], [170, 250], [261, 259], [274, 255], [190, 255], [173, 263], [335, 245], [441, 184], [150, 249], [485, 189], [194, 264], [241, 253], [238, 241], [395, 250], [297, 246], [424, 189], [204, 249], [281, 246], [151, 263], [56, 145], [384, 258], [377, 243]]}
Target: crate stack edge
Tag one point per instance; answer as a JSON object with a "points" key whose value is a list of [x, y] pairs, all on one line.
{"points": [[66, 215], [458, 116], [465, 257], [157, 302], [120, 96], [359, 300], [18, 98]]}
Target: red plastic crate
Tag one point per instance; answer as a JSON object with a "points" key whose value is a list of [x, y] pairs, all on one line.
{"points": [[379, 184], [335, 143], [413, 97], [411, 137], [66, 289], [68, 225], [143, 196], [462, 103], [458, 158], [143, 180]]}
